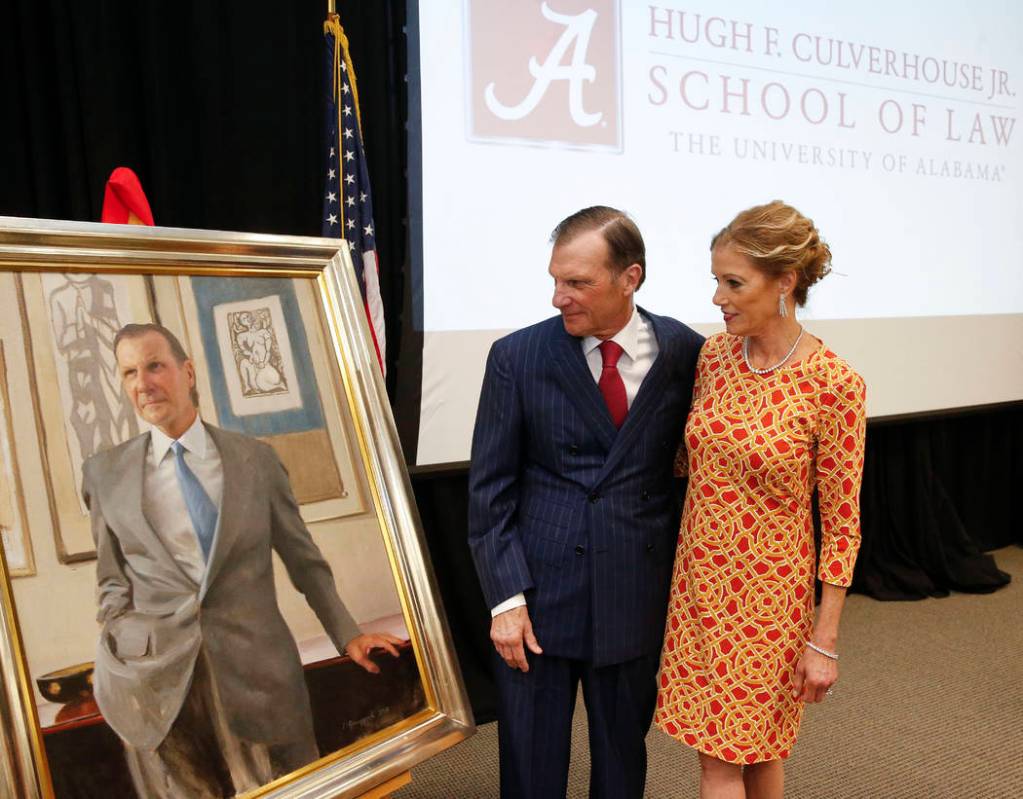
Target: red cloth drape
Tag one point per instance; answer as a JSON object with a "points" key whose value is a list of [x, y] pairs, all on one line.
{"points": [[124, 202]]}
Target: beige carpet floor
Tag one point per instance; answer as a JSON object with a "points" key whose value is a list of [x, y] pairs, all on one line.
{"points": [[929, 706]]}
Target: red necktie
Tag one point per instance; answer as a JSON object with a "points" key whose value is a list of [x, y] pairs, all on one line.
{"points": [[610, 383]]}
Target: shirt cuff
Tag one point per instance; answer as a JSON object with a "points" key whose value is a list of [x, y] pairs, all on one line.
{"points": [[510, 603]]}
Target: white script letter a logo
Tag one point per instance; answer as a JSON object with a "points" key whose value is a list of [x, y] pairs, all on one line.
{"points": [[577, 32]]}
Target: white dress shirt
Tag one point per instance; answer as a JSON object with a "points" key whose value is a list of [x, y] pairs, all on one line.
{"points": [[639, 345], [164, 504]]}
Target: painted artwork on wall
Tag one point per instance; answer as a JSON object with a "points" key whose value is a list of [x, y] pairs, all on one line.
{"points": [[257, 356], [70, 322], [84, 313], [261, 370], [17, 542]]}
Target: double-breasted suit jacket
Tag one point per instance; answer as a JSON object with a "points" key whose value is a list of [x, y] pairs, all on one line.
{"points": [[580, 516], [156, 620]]}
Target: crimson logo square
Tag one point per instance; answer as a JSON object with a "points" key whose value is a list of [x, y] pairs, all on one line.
{"points": [[545, 72]]}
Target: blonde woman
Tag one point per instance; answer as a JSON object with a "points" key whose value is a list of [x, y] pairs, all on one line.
{"points": [[775, 415]]}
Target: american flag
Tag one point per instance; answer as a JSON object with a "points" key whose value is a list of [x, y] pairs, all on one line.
{"points": [[347, 201]]}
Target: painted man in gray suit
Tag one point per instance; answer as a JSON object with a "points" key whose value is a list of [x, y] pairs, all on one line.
{"points": [[196, 669]]}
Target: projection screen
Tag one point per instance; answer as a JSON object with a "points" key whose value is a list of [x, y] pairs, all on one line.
{"points": [[891, 124]]}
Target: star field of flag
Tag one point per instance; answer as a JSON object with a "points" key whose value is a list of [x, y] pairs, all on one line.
{"points": [[348, 203]]}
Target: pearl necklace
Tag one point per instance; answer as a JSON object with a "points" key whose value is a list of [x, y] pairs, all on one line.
{"points": [[766, 369]]}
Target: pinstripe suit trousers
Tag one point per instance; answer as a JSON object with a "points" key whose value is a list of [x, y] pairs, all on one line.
{"points": [[535, 727]]}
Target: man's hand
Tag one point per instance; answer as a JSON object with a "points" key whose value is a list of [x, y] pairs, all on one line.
{"points": [[359, 648], [509, 631]]}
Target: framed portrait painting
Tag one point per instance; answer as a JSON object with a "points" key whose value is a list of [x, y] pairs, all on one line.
{"points": [[256, 574]]}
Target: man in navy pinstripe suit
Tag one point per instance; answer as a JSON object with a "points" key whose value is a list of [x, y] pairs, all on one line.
{"points": [[574, 512]]}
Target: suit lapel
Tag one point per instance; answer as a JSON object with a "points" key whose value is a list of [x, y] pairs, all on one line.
{"points": [[128, 475], [233, 466], [651, 391], [572, 371]]}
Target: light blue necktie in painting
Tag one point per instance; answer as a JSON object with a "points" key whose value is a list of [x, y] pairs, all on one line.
{"points": [[200, 507]]}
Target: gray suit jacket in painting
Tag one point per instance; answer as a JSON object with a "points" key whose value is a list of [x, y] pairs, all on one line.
{"points": [[156, 619], [581, 517]]}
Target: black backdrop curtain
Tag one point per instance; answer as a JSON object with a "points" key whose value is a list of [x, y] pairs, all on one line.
{"points": [[218, 107], [936, 494]]}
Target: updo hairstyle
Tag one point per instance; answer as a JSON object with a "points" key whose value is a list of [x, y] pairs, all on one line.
{"points": [[779, 239]]}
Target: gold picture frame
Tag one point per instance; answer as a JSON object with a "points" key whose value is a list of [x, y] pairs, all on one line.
{"points": [[375, 546]]}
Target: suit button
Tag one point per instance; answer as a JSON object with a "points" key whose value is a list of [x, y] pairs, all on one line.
{"points": [[594, 497], [649, 547], [573, 449], [580, 550], [645, 496]]}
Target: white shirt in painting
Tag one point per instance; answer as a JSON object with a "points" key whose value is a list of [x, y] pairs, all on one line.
{"points": [[162, 500]]}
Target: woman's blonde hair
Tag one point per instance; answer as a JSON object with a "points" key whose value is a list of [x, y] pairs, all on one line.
{"points": [[778, 239]]}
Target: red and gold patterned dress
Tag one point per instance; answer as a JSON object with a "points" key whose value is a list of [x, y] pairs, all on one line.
{"points": [[741, 604]]}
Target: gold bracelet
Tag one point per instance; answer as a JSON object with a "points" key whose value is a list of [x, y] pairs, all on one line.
{"points": [[824, 652]]}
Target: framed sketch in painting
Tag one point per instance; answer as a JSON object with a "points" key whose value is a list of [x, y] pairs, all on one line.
{"points": [[314, 514], [262, 368], [69, 322]]}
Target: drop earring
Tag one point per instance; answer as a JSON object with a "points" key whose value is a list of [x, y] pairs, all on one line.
{"points": [[782, 310]]}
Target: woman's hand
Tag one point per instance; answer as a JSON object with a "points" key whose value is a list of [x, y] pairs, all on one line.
{"points": [[814, 675]]}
